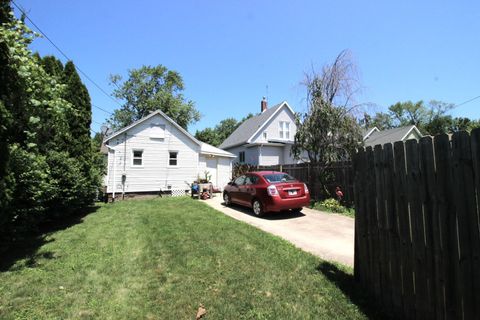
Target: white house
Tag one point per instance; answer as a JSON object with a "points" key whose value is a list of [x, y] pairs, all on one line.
{"points": [[155, 153], [265, 139]]}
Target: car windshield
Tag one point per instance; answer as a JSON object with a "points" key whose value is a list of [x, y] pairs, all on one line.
{"points": [[278, 177]]}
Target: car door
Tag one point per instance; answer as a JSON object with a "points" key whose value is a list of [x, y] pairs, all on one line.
{"points": [[235, 190], [248, 189]]}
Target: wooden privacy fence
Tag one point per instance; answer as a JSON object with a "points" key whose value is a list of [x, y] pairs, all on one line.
{"points": [[417, 244], [340, 174]]}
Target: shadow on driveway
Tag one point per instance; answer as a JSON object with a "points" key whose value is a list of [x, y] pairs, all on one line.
{"points": [[283, 215], [346, 282]]}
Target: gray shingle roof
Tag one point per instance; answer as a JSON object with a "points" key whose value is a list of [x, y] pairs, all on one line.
{"points": [[386, 136], [248, 128]]}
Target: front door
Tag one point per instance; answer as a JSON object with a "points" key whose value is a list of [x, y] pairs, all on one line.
{"points": [[212, 170]]}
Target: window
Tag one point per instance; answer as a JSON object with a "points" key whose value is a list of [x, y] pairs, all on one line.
{"points": [[172, 160], [137, 158], [157, 131], [265, 135], [279, 177], [284, 130], [240, 180], [251, 179], [241, 156]]}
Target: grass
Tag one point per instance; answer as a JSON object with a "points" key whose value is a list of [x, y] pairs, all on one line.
{"points": [[160, 259]]}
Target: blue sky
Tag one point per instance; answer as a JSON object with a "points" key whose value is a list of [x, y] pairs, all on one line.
{"points": [[229, 51]]}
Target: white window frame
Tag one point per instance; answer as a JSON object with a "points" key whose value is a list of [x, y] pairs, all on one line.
{"points": [[170, 158], [133, 158], [284, 130], [265, 135]]}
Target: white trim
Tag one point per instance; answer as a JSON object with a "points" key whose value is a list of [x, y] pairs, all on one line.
{"points": [[132, 165], [217, 154], [408, 132], [284, 104], [370, 132], [171, 165]]}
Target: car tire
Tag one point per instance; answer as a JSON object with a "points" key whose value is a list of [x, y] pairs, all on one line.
{"points": [[257, 208], [227, 200]]}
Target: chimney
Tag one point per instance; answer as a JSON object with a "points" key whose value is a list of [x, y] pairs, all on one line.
{"points": [[263, 105]]}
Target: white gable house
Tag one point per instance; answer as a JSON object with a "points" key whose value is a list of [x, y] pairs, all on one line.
{"points": [[155, 154], [265, 139]]}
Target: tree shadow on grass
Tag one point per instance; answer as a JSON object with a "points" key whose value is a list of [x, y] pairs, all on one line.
{"points": [[346, 282], [27, 247]]}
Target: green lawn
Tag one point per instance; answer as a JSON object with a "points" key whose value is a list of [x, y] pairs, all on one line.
{"points": [[161, 258]]}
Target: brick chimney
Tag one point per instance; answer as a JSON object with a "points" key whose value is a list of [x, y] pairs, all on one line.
{"points": [[263, 105]]}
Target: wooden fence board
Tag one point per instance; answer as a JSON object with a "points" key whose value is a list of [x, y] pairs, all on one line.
{"points": [[393, 240], [404, 230], [475, 218], [446, 224], [465, 205], [428, 198]]}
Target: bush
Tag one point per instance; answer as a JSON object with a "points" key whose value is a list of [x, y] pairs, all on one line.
{"points": [[332, 205]]}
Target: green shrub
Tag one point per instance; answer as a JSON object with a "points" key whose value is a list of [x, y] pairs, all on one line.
{"points": [[332, 205]]}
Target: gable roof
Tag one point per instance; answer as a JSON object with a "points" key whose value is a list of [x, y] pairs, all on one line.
{"points": [[205, 148], [366, 132], [252, 126], [390, 135]]}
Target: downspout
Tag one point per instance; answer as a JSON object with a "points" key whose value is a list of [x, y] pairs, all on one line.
{"points": [[113, 187], [124, 164]]}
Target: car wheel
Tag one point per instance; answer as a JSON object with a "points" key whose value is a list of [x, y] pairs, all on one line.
{"points": [[257, 208], [226, 199]]}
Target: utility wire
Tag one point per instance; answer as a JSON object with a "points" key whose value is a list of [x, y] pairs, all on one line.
{"points": [[102, 109], [465, 102], [63, 54]]}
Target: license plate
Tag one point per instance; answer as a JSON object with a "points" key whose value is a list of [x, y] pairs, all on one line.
{"points": [[292, 192]]}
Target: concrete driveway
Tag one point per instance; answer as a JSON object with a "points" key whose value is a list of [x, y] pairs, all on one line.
{"points": [[327, 235]]}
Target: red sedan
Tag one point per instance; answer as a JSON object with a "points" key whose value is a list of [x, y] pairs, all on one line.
{"points": [[267, 191]]}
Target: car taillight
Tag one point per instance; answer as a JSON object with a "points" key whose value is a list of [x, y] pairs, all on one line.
{"points": [[272, 191], [306, 188]]}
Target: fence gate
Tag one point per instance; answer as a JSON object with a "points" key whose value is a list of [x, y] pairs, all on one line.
{"points": [[417, 239]]}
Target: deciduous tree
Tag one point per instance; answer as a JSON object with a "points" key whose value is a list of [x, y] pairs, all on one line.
{"points": [[328, 131], [148, 89]]}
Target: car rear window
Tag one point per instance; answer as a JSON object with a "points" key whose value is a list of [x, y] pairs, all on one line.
{"points": [[279, 177]]}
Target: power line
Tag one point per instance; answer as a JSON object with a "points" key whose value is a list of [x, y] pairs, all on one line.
{"points": [[93, 105], [63, 53], [465, 102]]}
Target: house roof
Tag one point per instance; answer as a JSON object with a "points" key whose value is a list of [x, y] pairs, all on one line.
{"points": [[390, 135], [366, 132], [205, 148], [251, 126]]}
